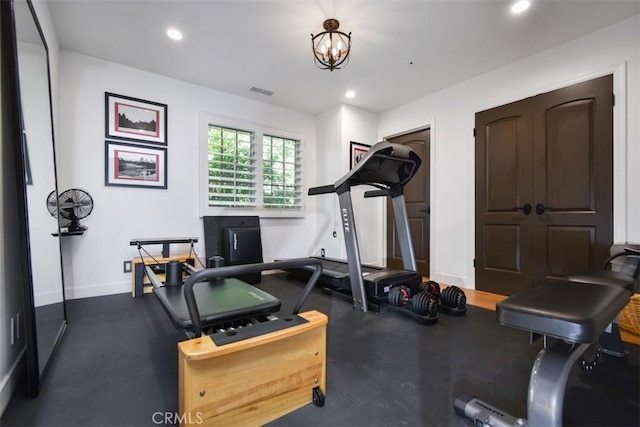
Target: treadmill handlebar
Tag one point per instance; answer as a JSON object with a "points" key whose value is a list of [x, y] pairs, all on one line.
{"points": [[387, 165], [376, 193], [234, 270], [323, 189]]}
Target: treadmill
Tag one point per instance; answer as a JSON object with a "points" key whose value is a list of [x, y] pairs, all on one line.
{"points": [[388, 167]]}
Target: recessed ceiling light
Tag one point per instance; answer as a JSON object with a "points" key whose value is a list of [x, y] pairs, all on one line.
{"points": [[174, 34], [520, 6], [350, 94]]}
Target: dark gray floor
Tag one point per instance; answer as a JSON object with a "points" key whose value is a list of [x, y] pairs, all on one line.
{"points": [[117, 366], [49, 319]]}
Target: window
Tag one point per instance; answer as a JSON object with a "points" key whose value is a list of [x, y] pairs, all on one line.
{"points": [[232, 167], [250, 169], [281, 172]]}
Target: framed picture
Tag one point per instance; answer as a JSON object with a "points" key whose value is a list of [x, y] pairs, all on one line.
{"points": [[134, 119], [357, 151], [132, 165]]}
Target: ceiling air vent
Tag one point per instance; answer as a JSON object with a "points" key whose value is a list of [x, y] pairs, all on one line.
{"points": [[260, 91]]}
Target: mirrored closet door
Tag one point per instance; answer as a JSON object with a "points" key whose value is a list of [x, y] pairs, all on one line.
{"points": [[44, 303]]}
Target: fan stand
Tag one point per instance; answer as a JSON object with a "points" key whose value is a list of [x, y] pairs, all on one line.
{"points": [[74, 225]]}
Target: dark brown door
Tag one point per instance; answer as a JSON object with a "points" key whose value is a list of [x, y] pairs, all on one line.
{"points": [[504, 230], [551, 154], [416, 194], [573, 182]]}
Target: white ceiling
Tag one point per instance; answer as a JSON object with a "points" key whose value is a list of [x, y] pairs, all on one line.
{"points": [[401, 50]]}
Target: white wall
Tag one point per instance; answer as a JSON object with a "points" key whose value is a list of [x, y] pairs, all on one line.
{"points": [[615, 49], [44, 17], [95, 260], [361, 126], [337, 127], [330, 166], [34, 96]]}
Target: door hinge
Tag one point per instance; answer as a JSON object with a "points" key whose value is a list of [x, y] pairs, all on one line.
{"points": [[474, 263], [474, 132], [613, 99]]}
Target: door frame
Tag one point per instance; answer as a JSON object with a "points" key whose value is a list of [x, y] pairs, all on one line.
{"points": [[620, 143], [427, 124]]}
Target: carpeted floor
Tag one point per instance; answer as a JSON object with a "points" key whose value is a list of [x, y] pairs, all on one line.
{"points": [[117, 366]]}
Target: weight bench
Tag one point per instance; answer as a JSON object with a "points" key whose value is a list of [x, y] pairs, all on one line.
{"points": [[574, 313]]}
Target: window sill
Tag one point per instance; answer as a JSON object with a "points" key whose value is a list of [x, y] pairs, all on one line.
{"points": [[262, 213]]}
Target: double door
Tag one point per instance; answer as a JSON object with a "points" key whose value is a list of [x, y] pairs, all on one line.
{"points": [[544, 187]]}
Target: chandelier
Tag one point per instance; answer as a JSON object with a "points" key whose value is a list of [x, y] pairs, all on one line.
{"points": [[331, 47]]}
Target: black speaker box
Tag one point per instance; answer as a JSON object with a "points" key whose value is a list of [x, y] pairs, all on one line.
{"points": [[243, 246], [214, 227]]}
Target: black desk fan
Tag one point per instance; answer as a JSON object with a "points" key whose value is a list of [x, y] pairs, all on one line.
{"points": [[73, 205]]}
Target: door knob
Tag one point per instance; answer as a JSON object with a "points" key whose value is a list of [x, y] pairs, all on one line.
{"points": [[428, 210], [526, 209], [540, 208]]}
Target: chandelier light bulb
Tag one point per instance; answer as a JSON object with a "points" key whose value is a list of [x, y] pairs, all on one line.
{"points": [[331, 54]]}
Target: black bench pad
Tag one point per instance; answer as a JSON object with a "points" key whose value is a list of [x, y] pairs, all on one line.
{"points": [[574, 312], [229, 300], [604, 277]]}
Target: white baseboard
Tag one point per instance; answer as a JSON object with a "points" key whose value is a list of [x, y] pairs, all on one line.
{"points": [[449, 280], [47, 298], [9, 382], [97, 290]]}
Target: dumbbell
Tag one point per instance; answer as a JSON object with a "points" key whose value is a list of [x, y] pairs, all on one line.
{"points": [[399, 296], [430, 287], [453, 301], [424, 304]]}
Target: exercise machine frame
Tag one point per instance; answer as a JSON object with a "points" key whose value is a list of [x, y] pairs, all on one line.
{"points": [[545, 310], [389, 183], [239, 376]]}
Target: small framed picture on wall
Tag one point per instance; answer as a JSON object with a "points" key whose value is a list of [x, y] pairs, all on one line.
{"points": [[135, 119], [358, 150], [131, 165]]}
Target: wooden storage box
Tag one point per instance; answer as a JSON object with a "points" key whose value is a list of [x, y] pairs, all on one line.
{"points": [[254, 381]]}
